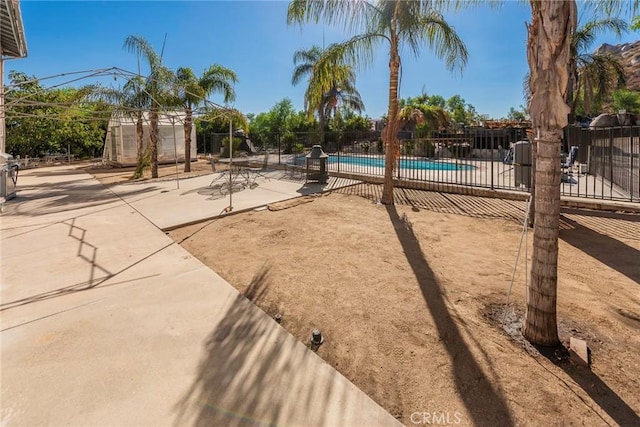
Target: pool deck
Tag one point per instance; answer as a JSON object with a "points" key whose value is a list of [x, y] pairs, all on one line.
{"points": [[485, 174]]}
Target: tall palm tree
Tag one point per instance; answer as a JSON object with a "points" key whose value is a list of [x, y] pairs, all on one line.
{"points": [[594, 74], [192, 91], [396, 22], [155, 86], [549, 56], [328, 83]]}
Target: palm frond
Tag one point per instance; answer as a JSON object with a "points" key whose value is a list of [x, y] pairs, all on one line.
{"points": [[431, 29], [586, 35], [351, 15]]}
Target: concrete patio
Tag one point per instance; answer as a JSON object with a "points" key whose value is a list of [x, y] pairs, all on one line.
{"points": [[106, 321]]}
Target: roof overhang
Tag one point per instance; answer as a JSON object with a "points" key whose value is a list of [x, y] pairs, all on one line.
{"points": [[12, 40]]}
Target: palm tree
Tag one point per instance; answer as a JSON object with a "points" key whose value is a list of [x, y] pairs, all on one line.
{"points": [[594, 74], [328, 83], [192, 91], [549, 57], [398, 22], [155, 87], [422, 117]]}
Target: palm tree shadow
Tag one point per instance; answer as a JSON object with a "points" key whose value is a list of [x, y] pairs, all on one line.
{"points": [[250, 373], [593, 385], [608, 250], [484, 403]]}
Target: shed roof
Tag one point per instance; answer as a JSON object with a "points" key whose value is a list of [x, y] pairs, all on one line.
{"points": [[167, 118]]}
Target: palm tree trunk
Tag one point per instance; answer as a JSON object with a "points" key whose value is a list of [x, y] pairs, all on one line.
{"points": [[391, 130], [153, 142], [548, 54], [540, 324], [139, 140], [188, 120], [321, 125]]}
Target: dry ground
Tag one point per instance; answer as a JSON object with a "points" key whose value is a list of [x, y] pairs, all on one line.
{"points": [[410, 300], [109, 175]]}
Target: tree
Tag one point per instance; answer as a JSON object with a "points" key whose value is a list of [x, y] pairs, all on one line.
{"points": [[192, 91], [156, 87], [328, 82], [628, 100], [635, 23], [352, 122], [41, 120], [593, 75], [266, 127], [549, 55], [520, 114], [396, 22]]}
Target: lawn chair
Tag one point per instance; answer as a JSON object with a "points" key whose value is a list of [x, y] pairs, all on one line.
{"points": [[567, 166], [508, 160], [216, 175], [262, 170]]}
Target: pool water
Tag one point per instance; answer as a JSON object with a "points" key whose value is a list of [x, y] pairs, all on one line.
{"points": [[378, 162]]}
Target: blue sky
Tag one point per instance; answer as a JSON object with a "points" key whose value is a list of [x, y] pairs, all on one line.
{"points": [[253, 39]]}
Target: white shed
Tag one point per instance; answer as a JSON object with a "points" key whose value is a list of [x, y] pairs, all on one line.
{"points": [[120, 141]]}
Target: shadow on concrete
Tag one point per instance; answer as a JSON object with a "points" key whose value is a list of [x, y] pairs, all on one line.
{"points": [[607, 399], [46, 172], [93, 281], [606, 249], [485, 404], [250, 373], [64, 197]]}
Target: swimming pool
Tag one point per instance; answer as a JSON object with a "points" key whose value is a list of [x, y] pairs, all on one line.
{"points": [[378, 162]]}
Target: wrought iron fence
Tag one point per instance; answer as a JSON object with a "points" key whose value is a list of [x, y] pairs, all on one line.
{"points": [[607, 164], [613, 156]]}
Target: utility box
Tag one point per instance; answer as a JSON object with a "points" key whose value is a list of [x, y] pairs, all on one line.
{"points": [[522, 163], [8, 176]]}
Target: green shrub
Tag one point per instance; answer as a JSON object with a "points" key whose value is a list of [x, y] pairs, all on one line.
{"points": [[225, 146], [142, 165], [380, 146], [409, 147], [628, 100], [287, 142], [298, 147], [365, 147]]}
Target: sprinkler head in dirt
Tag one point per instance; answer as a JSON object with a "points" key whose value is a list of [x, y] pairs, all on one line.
{"points": [[316, 337], [278, 317]]}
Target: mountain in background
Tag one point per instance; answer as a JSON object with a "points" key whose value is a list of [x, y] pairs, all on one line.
{"points": [[628, 54]]}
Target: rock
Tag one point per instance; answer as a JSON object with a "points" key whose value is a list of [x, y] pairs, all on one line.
{"points": [[579, 352], [604, 120], [627, 54]]}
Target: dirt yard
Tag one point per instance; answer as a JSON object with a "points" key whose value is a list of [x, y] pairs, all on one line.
{"points": [[410, 300]]}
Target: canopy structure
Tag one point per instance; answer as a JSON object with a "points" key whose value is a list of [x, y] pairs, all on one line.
{"points": [[120, 147], [12, 45], [12, 40]]}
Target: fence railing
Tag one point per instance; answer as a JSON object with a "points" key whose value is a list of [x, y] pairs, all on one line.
{"points": [[607, 165], [613, 154]]}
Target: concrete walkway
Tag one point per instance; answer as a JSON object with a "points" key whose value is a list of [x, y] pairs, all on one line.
{"points": [[106, 321]]}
